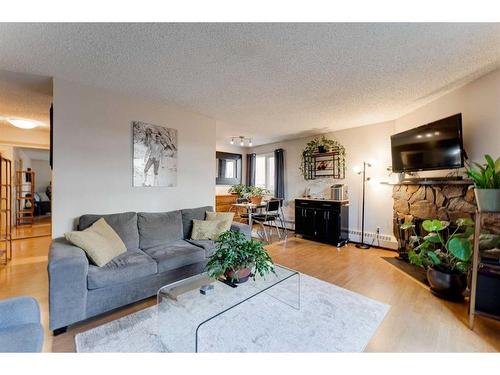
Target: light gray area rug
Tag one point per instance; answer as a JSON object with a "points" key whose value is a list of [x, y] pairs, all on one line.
{"points": [[330, 319]]}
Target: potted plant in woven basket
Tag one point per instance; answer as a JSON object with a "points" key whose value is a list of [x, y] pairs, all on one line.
{"points": [[237, 259], [486, 179], [446, 259]]}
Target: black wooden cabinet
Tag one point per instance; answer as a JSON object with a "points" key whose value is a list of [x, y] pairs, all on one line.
{"points": [[322, 220]]}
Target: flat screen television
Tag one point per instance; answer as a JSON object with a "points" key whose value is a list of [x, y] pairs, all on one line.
{"points": [[437, 145]]}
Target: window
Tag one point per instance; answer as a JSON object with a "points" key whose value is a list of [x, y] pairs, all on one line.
{"points": [[264, 171]]}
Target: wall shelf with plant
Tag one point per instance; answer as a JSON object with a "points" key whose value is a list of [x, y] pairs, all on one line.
{"points": [[323, 158]]}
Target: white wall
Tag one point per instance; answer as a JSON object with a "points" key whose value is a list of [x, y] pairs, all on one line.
{"points": [[43, 174], [227, 147], [20, 155], [479, 103], [93, 155]]}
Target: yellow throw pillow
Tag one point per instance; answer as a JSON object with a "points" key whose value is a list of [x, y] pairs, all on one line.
{"points": [[99, 241], [204, 229]]}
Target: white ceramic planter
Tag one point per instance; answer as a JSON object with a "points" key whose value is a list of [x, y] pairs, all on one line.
{"points": [[488, 200]]}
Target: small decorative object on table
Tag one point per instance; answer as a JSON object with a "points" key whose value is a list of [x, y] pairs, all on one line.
{"points": [[236, 259], [206, 289]]}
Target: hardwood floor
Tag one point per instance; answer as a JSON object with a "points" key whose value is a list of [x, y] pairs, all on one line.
{"points": [[416, 322], [41, 227]]}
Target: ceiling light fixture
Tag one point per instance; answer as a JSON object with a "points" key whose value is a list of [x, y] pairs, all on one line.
{"points": [[22, 123], [242, 140]]}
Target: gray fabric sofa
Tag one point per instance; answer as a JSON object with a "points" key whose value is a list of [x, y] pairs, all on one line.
{"points": [[159, 251], [20, 328]]}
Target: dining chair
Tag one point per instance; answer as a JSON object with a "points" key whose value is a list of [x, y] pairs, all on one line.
{"points": [[271, 215], [240, 214]]}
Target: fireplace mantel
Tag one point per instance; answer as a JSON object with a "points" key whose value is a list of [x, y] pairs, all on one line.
{"points": [[430, 182]]}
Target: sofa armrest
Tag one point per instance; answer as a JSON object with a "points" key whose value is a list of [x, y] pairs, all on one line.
{"points": [[19, 310], [243, 228], [68, 269]]}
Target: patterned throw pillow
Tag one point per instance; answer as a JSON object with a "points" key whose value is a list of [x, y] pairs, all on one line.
{"points": [[225, 217], [205, 229], [225, 220]]}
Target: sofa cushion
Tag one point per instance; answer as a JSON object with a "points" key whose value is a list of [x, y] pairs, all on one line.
{"points": [[157, 229], [192, 213], [175, 255], [124, 268], [99, 241], [23, 338], [124, 224], [207, 245], [205, 229]]}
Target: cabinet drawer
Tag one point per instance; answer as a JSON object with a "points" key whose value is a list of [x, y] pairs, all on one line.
{"points": [[303, 203]]}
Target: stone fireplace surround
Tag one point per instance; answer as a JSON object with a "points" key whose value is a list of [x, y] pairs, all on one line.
{"points": [[430, 200], [440, 200]]}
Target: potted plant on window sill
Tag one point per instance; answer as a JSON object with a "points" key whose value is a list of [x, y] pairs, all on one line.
{"points": [[237, 259], [255, 194], [487, 184], [447, 261]]}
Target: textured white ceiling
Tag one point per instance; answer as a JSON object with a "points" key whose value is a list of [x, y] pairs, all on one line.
{"points": [[25, 96], [269, 81]]}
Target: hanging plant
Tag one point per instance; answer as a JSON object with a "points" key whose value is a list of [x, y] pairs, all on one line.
{"points": [[319, 144]]}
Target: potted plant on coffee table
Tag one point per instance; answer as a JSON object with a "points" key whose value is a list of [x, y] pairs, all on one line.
{"points": [[447, 261], [486, 179], [237, 259], [255, 194]]}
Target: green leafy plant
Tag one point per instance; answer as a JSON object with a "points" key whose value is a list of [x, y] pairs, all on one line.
{"points": [[234, 252], [486, 176], [255, 191], [312, 147], [451, 255], [239, 189]]}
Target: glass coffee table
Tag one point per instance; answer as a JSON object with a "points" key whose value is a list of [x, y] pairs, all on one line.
{"points": [[183, 311]]}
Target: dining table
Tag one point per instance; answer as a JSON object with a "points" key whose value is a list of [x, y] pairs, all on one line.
{"points": [[250, 208]]}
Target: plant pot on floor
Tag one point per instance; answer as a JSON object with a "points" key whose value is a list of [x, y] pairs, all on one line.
{"points": [[488, 199], [256, 200], [238, 277], [450, 286]]}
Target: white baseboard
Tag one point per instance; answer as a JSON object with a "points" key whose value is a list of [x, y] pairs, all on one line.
{"points": [[374, 239], [370, 238]]}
